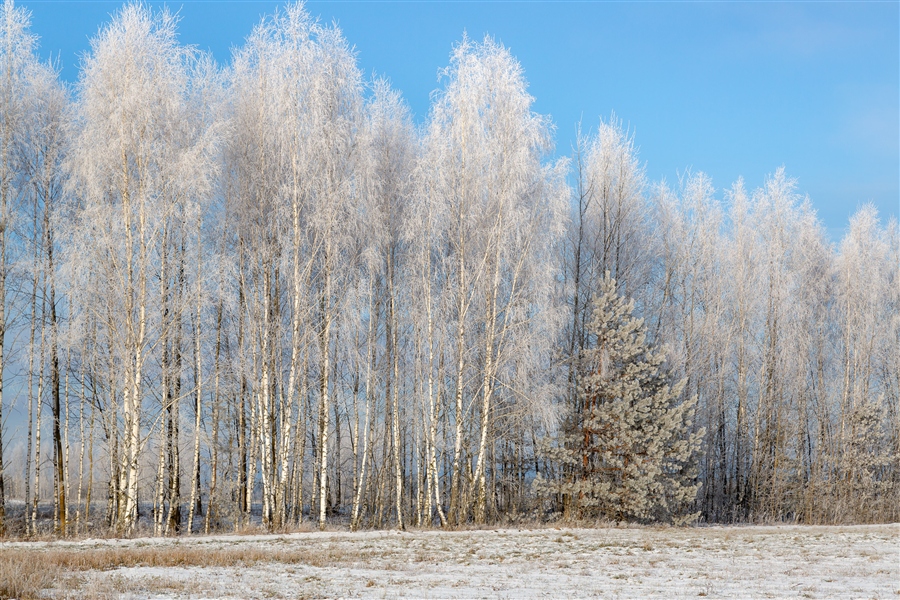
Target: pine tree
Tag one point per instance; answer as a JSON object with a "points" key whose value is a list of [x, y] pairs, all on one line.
{"points": [[628, 448]]}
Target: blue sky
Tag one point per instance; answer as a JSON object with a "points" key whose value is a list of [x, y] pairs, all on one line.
{"points": [[731, 89]]}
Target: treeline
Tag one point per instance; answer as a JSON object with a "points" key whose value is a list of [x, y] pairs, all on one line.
{"points": [[261, 291]]}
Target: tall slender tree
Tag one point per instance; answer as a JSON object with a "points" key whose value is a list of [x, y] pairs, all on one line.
{"points": [[485, 148], [135, 173], [18, 64]]}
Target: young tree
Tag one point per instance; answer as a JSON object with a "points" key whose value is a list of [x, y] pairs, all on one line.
{"points": [[41, 150], [633, 450], [689, 310]]}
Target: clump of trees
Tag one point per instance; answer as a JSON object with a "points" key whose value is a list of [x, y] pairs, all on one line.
{"points": [[259, 292]]}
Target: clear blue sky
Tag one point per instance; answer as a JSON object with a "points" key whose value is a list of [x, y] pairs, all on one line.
{"points": [[731, 89]]}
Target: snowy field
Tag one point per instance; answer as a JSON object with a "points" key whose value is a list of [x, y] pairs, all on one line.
{"points": [[716, 562]]}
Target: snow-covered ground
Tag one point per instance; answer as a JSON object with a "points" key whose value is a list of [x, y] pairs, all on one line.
{"points": [[716, 562]]}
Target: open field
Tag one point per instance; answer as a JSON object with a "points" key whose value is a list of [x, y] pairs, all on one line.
{"points": [[715, 562]]}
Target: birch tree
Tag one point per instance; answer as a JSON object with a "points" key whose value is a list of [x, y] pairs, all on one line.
{"points": [[297, 103], [42, 150], [389, 158], [485, 148], [17, 65], [128, 164], [866, 448]]}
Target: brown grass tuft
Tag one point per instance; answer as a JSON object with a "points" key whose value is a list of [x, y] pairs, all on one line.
{"points": [[23, 577]]}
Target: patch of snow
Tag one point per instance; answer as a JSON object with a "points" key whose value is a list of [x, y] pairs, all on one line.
{"points": [[715, 562]]}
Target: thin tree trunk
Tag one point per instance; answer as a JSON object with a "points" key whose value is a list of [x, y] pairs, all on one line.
{"points": [[195, 504], [173, 405], [81, 450], [159, 484], [59, 457], [324, 344], [370, 367], [211, 503], [395, 400], [37, 430], [455, 492], [30, 525], [66, 485]]}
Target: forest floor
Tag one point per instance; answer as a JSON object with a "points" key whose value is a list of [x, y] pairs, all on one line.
{"points": [[628, 562]]}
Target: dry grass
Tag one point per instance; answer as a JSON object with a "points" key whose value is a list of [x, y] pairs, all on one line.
{"points": [[104, 559], [21, 576], [25, 573]]}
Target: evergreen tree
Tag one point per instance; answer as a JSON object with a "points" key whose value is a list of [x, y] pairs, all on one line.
{"points": [[627, 451]]}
